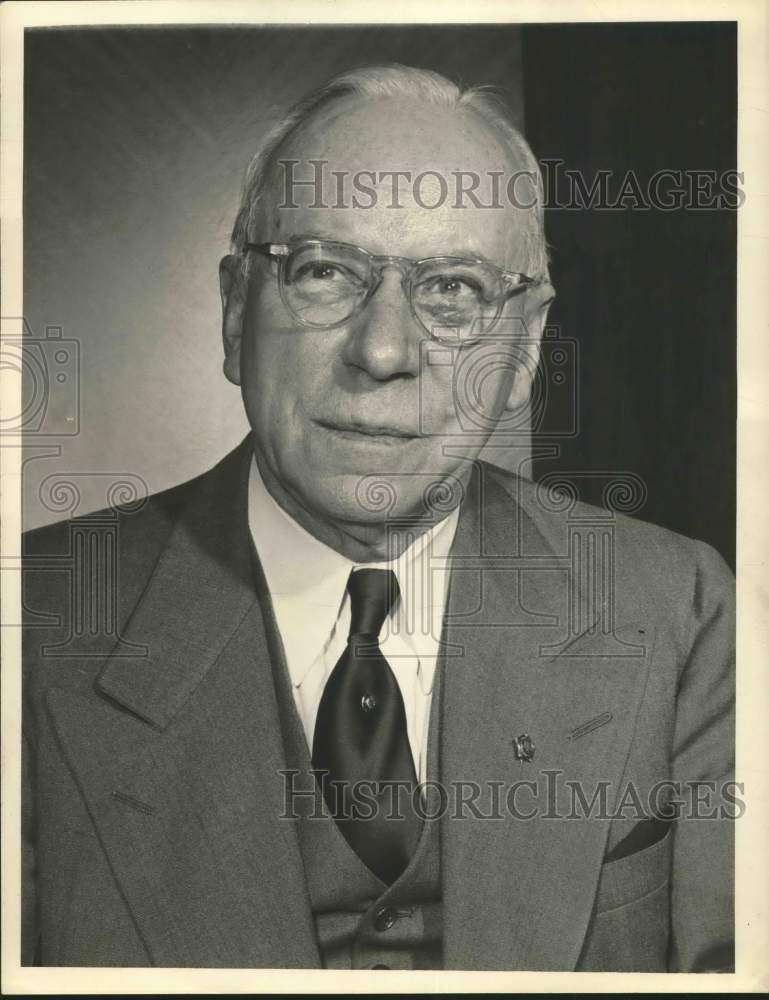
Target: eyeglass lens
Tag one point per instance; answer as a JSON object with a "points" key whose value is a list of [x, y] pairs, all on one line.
{"points": [[326, 284]]}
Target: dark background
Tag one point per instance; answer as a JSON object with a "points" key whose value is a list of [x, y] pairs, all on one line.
{"points": [[649, 296], [135, 146]]}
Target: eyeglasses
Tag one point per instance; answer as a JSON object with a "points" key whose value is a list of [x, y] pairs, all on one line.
{"points": [[323, 284]]}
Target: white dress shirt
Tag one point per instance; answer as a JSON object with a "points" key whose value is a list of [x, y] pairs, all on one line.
{"points": [[307, 582]]}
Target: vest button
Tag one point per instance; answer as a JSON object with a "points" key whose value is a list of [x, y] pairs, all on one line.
{"points": [[381, 967], [368, 703], [385, 918]]}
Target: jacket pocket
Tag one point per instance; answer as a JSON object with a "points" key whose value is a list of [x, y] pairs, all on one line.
{"points": [[633, 876], [644, 834], [630, 927]]}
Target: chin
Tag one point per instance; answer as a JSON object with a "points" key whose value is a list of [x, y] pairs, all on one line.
{"points": [[375, 497]]}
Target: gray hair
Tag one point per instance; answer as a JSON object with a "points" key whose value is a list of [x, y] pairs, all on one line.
{"points": [[394, 81]]}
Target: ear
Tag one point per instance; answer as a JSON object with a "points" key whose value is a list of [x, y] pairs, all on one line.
{"points": [[233, 286], [538, 299]]}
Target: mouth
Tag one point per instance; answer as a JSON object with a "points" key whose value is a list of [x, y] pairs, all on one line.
{"points": [[376, 433]]}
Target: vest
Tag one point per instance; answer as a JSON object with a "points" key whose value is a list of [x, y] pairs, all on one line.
{"points": [[360, 922]]}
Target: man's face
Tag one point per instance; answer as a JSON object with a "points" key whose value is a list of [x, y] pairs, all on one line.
{"points": [[375, 396]]}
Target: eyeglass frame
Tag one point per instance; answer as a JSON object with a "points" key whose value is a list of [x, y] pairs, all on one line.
{"points": [[407, 266]]}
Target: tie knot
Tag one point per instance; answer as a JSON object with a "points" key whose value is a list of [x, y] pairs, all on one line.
{"points": [[373, 593]]}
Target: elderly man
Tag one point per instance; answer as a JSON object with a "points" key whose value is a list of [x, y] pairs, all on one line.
{"points": [[376, 703]]}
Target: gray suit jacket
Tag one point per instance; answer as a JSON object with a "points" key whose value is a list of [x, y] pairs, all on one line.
{"points": [[152, 796]]}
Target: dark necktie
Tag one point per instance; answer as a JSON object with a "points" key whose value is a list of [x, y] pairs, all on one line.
{"points": [[361, 737]]}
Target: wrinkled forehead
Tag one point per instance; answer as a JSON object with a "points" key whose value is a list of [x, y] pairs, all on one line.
{"points": [[402, 177]]}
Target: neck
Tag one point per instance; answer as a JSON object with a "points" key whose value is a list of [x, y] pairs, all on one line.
{"points": [[359, 542]]}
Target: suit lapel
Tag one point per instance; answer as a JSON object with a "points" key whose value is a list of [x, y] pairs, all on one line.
{"points": [[518, 892], [184, 787]]}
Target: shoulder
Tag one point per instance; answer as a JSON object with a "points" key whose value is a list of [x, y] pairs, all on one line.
{"points": [[82, 578], [147, 518], [667, 569], [141, 523]]}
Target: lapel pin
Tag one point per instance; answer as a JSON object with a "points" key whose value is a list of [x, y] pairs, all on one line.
{"points": [[590, 726], [523, 748]]}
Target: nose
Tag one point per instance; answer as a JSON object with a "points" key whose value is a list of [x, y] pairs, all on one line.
{"points": [[384, 337]]}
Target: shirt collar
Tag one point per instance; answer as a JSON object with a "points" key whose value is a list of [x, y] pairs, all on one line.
{"points": [[307, 579]]}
